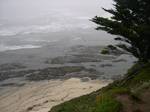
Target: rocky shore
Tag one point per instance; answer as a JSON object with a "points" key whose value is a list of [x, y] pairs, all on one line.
{"points": [[78, 61], [54, 79]]}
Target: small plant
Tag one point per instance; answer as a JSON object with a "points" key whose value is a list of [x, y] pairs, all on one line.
{"points": [[105, 51]]}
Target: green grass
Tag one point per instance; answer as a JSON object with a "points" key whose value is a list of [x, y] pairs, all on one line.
{"points": [[118, 91], [95, 102], [107, 103], [87, 104], [104, 100], [82, 104]]}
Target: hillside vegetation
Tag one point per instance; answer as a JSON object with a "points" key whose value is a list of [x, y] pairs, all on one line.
{"points": [[131, 94]]}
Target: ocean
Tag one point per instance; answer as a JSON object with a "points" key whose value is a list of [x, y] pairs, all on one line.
{"points": [[26, 24]]}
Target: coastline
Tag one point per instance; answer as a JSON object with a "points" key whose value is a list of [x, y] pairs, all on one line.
{"points": [[45, 77], [43, 95]]}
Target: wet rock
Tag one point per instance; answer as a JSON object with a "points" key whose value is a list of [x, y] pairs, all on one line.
{"points": [[13, 74], [11, 66], [12, 84], [85, 79], [105, 51], [80, 54], [106, 65], [119, 60], [62, 73], [112, 50]]}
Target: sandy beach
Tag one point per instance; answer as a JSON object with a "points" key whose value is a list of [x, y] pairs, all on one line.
{"points": [[43, 95]]}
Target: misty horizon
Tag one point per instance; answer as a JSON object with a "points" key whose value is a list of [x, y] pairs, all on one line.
{"points": [[25, 23]]}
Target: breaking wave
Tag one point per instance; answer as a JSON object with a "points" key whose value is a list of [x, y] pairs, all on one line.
{"points": [[16, 47]]}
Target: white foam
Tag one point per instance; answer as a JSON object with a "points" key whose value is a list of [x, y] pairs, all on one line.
{"points": [[15, 47], [53, 27], [7, 33], [77, 39]]}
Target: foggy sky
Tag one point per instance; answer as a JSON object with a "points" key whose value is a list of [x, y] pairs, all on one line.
{"points": [[23, 10]]}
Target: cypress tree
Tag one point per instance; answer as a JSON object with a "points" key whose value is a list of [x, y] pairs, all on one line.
{"points": [[130, 21]]}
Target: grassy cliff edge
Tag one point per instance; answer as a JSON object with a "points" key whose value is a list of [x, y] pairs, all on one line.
{"points": [[131, 94]]}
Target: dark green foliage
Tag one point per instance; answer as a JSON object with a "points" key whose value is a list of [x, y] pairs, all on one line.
{"points": [[131, 21], [111, 47]]}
